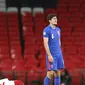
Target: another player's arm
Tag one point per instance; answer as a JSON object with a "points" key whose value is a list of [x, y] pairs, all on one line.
{"points": [[50, 58]]}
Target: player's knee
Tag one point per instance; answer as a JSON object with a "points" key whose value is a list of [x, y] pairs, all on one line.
{"points": [[50, 74], [57, 73]]}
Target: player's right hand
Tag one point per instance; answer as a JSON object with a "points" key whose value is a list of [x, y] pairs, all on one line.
{"points": [[50, 59]]}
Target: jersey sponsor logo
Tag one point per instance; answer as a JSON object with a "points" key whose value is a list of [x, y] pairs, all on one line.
{"points": [[52, 36]]}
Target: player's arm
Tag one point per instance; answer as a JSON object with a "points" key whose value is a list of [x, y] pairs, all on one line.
{"points": [[46, 46], [50, 58]]}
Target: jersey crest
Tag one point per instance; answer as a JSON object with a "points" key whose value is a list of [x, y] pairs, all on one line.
{"points": [[58, 32]]}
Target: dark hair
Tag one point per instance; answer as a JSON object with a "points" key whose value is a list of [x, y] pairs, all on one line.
{"points": [[50, 16]]}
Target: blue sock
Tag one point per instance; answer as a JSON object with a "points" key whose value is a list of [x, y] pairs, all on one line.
{"points": [[46, 81], [56, 80]]}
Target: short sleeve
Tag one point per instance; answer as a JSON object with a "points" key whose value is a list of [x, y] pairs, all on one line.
{"points": [[46, 33]]}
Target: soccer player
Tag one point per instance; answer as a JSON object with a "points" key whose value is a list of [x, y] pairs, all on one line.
{"points": [[52, 45], [5, 81]]}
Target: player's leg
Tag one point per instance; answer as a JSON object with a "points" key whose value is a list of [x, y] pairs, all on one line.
{"points": [[48, 77], [60, 65], [57, 77], [49, 66]]}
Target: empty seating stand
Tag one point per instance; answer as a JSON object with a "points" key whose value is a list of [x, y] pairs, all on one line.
{"points": [[5, 67], [71, 19], [13, 28], [14, 38], [29, 38]]}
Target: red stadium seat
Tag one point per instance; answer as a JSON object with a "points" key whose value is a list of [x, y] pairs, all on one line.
{"points": [[71, 10], [19, 65], [13, 28], [49, 10], [30, 64], [60, 10], [6, 65], [76, 79], [60, 5], [33, 79], [74, 5]]}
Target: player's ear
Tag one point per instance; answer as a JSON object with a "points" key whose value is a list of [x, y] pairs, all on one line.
{"points": [[49, 21]]}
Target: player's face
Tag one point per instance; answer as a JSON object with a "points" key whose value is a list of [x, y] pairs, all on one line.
{"points": [[53, 21]]}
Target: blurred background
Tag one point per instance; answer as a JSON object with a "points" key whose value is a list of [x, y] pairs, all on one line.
{"points": [[22, 55]]}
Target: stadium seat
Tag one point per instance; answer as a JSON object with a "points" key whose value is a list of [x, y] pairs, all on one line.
{"points": [[37, 10], [60, 5], [26, 9], [74, 5], [26, 13], [49, 10], [33, 79], [60, 10], [71, 10], [19, 65], [6, 68], [76, 79], [13, 31], [4, 43], [30, 64]]}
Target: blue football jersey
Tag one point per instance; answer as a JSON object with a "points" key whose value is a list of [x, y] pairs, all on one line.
{"points": [[53, 36]]}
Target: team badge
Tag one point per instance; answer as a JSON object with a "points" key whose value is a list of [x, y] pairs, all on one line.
{"points": [[58, 32]]}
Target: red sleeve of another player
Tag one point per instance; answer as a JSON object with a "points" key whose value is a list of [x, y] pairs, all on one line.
{"points": [[18, 82]]}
